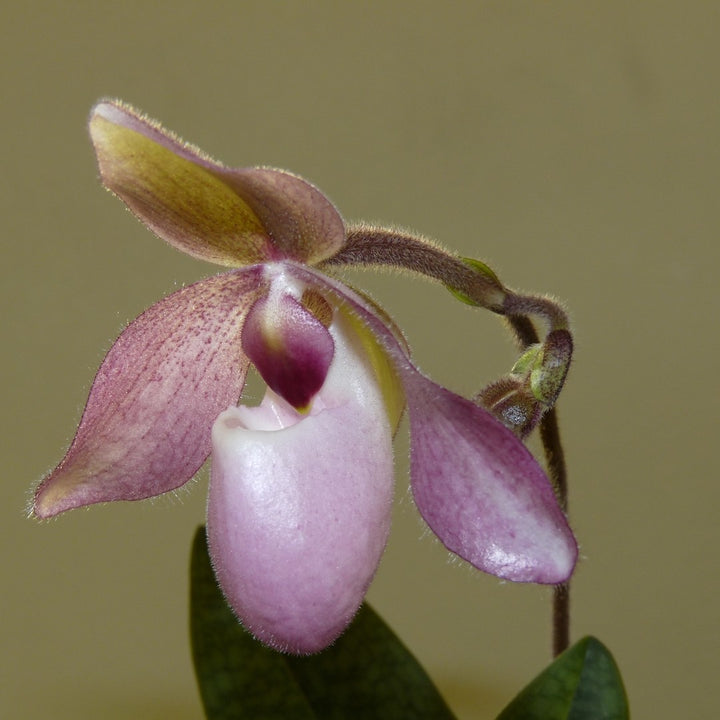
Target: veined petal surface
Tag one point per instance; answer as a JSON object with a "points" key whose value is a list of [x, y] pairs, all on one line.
{"points": [[481, 491], [229, 217], [476, 485], [299, 505], [146, 426]]}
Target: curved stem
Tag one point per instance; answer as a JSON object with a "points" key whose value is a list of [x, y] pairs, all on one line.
{"points": [[473, 281], [369, 246], [526, 335], [555, 316], [524, 330]]}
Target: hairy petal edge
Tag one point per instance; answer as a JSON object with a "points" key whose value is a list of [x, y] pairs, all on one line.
{"points": [[146, 426]]}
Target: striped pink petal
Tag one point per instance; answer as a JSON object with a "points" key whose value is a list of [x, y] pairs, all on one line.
{"points": [[146, 426]]}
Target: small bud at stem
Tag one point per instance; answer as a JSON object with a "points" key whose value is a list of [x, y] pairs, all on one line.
{"points": [[469, 280]]}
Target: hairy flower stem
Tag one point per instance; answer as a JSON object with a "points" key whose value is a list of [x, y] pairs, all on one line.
{"points": [[555, 459], [368, 246], [470, 280]]}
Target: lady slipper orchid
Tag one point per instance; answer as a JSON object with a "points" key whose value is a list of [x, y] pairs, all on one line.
{"points": [[301, 485]]}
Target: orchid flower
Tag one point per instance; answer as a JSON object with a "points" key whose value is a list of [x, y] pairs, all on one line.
{"points": [[301, 486]]}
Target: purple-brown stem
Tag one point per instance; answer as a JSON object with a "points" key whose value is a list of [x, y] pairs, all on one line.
{"points": [[368, 246], [557, 470], [474, 282]]}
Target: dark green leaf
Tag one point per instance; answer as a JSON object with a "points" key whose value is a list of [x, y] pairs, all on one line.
{"points": [[367, 673], [583, 683]]}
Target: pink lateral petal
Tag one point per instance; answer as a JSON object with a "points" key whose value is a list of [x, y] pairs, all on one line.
{"points": [[289, 347], [299, 505], [476, 485], [481, 491], [146, 426]]}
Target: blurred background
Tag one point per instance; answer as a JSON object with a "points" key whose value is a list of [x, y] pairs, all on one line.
{"points": [[572, 146]]}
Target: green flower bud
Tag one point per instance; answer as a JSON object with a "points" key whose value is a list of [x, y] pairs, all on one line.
{"points": [[551, 366], [492, 293]]}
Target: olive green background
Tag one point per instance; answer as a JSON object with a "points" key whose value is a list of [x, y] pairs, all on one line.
{"points": [[572, 146]]}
